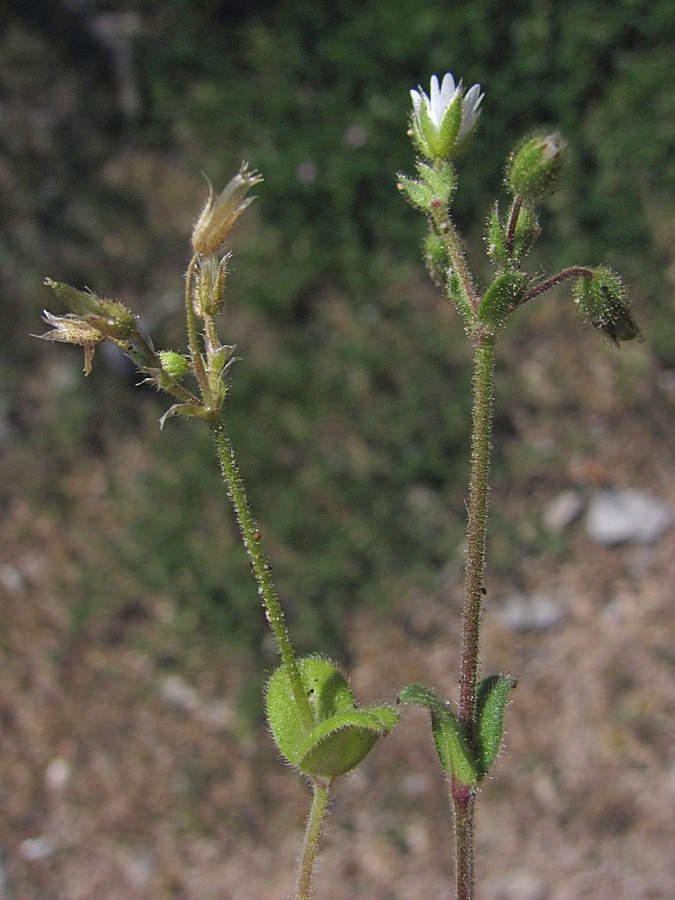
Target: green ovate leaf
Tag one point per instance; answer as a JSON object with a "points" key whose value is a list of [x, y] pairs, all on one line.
{"points": [[453, 751], [342, 735], [491, 698]]}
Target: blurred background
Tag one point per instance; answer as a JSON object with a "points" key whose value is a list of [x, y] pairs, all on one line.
{"points": [[134, 760]]}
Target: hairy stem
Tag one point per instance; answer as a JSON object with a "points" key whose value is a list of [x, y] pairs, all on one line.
{"points": [[260, 567], [463, 800], [572, 272], [463, 796], [453, 246], [310, 845]]}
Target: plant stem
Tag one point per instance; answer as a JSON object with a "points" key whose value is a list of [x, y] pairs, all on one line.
{"points": [[310, 845], [572, 272], [260, 567], [453, 246], [464, 796]]}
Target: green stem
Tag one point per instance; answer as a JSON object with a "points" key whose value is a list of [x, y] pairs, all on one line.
{"points": [[310, 845], [260, 567], [453, 246], [463, 795]]}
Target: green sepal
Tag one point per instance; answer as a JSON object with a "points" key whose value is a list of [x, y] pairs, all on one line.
{"points": [[451, 745], [343, 733], [526, 233], [603, 302], [446, 136], [110, 317], [495, 238], [82, 303], [502, 297], [491, 696]]}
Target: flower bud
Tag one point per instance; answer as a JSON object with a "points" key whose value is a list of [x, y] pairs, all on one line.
{"points": [[603, 303], [174, 364], [219, 215], [502, 297], [534, 167]]}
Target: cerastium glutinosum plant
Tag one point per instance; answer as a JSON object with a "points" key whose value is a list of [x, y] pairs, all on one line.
{"points": [[316, 722], [441, 124]]}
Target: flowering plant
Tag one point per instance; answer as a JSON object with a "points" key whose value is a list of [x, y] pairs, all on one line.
{"points": [[315, 720]]}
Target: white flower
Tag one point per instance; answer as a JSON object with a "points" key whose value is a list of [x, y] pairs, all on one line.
{"points": [[442, 121]]}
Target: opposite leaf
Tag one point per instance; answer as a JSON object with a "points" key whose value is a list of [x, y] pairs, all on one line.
{"points": [[343, 734], [490, 702], [451, 746]]}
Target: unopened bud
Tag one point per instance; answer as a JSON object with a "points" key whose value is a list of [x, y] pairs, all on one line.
{"points": [[502, 297], [534, 167], [174, 364], [603, 303]]}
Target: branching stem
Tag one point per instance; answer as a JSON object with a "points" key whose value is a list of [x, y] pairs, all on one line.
{"points": [[572, 272]]}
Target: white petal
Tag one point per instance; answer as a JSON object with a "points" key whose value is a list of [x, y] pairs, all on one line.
{"points": [[435, 97], [447, 90], [417, 100]]}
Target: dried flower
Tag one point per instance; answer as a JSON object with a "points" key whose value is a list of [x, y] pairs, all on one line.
{"points": [[220, 213]]}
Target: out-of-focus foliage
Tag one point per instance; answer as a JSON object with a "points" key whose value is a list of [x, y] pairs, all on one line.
{"points": [[349, 413]]}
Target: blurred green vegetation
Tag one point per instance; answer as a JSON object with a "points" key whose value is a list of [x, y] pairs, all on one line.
{"points": [[350, 410]]}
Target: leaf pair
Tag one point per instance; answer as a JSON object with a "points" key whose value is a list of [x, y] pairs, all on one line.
{"points": [[469, 765], [342, 734]]}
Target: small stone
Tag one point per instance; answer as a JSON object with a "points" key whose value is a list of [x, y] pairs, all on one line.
{"points": [[562, 510], [57, 773], [36, 848], [536, 612], [615, 517]]}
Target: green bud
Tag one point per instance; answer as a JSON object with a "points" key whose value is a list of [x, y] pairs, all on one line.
{"points": [[502, 297], [534, 167], [603, 303], [174, 364]]}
